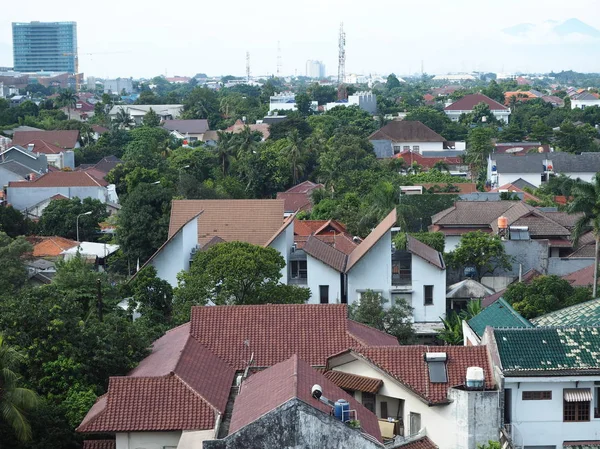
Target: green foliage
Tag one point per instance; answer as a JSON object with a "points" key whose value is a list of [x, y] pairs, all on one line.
{"points": [[392, 82], [436, 240], [482, 251], [303, 103], [395, 320], [490, 445], [415, 211], [439, 122], [60, 218], [576, 139], [14, 273], [543, 295], [151, 119], [479, 146], [152, 296], [452, 334], [494, 91], [146, 147], [202, 103], [234, 273], [13, 222]]}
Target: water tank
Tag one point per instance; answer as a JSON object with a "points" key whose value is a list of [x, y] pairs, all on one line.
{"points": [[341, 410], [502, 222], [475, 377]]}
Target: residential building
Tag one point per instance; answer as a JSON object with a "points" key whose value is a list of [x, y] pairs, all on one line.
{"points": [[400, 136], [56, 156], [91, 252], [66, 139], [367, 101], [82, 110], [315, 69], [50, 247], [466, 104], [137, 111], [183, 392], [584, 100], [455, 164], [23, 195], [275, 408], [45, 46], [298, 198], [460, 294], [34, 163], [15, 171], [190, 130], [286, 101], [538, 168], [449, 392], [35, 212], [551, 378], [583, 314], [239, 126], [459, 77], [118, 85]]}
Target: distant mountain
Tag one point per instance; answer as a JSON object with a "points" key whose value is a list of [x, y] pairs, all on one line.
{"points": [[567, 28]]}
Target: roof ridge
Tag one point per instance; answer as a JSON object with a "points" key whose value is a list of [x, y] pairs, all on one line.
{"points": [[189, 387]]}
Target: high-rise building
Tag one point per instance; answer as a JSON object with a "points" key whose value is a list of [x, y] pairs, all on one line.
{"points": [[45, 46], [315, 69]]}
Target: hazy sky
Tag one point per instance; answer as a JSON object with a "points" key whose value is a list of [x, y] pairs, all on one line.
{"points": [[184, 37]]}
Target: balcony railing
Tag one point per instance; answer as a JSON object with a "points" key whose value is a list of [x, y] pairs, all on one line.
{"points": [[401, 277]]}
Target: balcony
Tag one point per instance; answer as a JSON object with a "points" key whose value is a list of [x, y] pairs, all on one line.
{"points": [[401, 276]]}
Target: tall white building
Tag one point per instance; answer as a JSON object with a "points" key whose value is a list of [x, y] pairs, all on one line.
{"points": [[315, 69]]}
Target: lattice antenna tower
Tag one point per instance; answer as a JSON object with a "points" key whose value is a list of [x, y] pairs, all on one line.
{"points": [[248, 66], [342, 55], [278, 59]]}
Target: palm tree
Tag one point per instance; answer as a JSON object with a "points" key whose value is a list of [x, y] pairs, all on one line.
{"points": [[68, 99], [441, 166], [123, 120], [14, 401], [246, 141], [295, 151], [586, 201], [226, 148]]}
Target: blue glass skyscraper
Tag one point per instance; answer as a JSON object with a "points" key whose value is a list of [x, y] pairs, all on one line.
{"points": [[45, 46]]}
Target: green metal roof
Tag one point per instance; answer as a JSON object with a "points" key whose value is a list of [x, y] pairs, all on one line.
{"points": [[497, 314], [548, 351], [584, 314]]}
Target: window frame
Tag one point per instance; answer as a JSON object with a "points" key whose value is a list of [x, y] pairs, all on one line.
{"points": [[425, 297], [321, 289], [580, 411], [297, 272], [535, 395]]}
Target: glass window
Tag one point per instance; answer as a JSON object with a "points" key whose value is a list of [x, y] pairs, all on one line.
{"points": [[324, 294], [416, 149], [428, 295], [437, 372], [415, 423], [537, 395], [299, 269], [576, 411]]}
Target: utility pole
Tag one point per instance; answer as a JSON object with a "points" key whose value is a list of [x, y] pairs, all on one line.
{"points": [[247, 66]]}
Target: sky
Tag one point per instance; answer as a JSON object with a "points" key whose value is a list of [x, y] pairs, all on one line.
{"points": [[133, 38]]}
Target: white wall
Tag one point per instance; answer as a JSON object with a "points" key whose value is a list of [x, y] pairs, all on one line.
{"points": [[533, 178], [423, 273], [283, 243], [499, 114], [322, 274], [581, 104], [192, 439], [540, 423], [451, 242], [175, 256], [373, 271], [24, 197], [423, 146], [147, 440]]}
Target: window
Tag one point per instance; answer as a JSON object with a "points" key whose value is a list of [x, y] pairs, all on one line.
{"points": [[324, 294], [416, 149], [576, 411], [368, 400], [299, 270], [537, 395], [401, 268], [415, 423], [436, 364], [406, 147], [397, 149], [428, 295]]}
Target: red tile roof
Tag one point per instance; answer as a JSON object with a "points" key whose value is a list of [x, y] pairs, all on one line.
{"points": [[52, 246], [265, 391], [99, 444], [581, 278], [62, 179], [468, 102], [407, 365], [99, 129], [304, 187], [421, 443], [65, 138], [513, 188], [427, 162], [274, 333], [41, 146], [327, 254], [295, 201], [369, 336], [406, 131], [354, 382]]}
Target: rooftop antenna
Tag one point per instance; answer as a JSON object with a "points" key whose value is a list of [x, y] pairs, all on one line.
{"points": [[341, 55], [278, 59], [248, 66]]}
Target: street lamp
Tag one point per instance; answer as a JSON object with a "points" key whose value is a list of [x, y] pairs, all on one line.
{"points": [[77, 222]]}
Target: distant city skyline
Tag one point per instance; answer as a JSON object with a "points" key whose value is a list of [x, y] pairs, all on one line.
{"points": [[185, 37]]}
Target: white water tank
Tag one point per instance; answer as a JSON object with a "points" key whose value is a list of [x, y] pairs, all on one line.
{"points": [[475, 377]]}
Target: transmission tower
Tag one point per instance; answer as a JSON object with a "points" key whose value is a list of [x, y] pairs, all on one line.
{"points": [[278, 59], [342, 55], [248, 66]]}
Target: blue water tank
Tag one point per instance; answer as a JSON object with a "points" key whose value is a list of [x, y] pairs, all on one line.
{"points": [[341, 410]]}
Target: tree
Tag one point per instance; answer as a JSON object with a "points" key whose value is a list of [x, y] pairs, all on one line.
{"points": [[235, 273], [226, 150], [295, 154], [68, 99], [143, 221], [392, 82], [14, 273], [586, 201], [482, 251], [480, 115], [479, 146], [60, 218], [494, 91], [123, 119], [512, 133], [576, 139], [452, 334], [543, 295], [435, 240], [202, 103], [303, 104], [14, 222], [147, 147], [153, 296], [396, 320], [151, 119], [15, 401]]}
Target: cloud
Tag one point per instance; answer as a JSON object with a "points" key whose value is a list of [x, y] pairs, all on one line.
{"points": [[551, 32]]}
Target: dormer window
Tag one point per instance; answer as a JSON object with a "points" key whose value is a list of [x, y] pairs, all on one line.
{"points": [[436, 365]]}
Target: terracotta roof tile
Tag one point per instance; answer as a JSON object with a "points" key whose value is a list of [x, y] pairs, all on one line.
{"points": [[62, 179], [293, 378], [64, 138], [353, 382], [294, 202], [425, 252], [369, 336], [99, 444], [305, 187], [252, 221], [406, 131], [427, 162], [327, 254], [274, 333], [513, 188], [41, 146], [52, 246], [581, 278], [407, 365], [370, 241], [421, 443], [468, 102]]}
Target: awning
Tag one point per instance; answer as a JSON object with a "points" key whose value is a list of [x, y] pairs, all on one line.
{"points": [[578, 394], [581, 444], [354, 382]]}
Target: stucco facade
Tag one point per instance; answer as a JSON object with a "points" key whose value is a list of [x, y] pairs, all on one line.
{"points": [[147, 440], [423, 274], [320, 274], [373, 271], [24, 197]]}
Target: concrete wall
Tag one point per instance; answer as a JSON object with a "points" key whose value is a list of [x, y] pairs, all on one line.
{"points": [[192, 439], [7, 176], [322, 274], [562, 266], [283, 243], [423, 273], [382, 148], [532, 178], [373, 271], [175, 255], [294, 425], [480, 413], [540, 423], [147, 440], [23, 197], [451, 242]]}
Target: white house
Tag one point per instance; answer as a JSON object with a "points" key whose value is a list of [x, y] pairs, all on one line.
{"points": [[466, 104], [537, 168], [367, 101], [400, 135], [448, 392], [551, 379], [137, 111], [584, 100], [286, 101]]}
